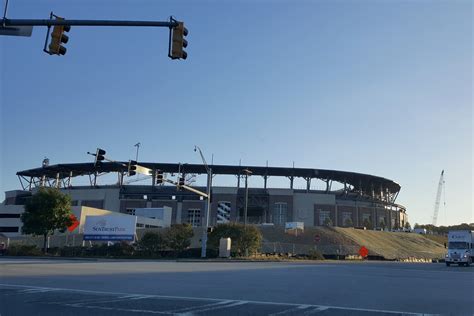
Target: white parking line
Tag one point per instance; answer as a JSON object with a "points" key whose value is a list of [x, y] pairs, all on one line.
{"points": [[238, 302], [213, 308], [291, 310], [315, 310], [191, 308]]}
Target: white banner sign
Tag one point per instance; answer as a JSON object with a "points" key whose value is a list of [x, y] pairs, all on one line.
{"points": [[110, 227], [294, 225]]}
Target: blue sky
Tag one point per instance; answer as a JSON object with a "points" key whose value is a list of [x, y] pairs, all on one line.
{"points": [[378, 87]]}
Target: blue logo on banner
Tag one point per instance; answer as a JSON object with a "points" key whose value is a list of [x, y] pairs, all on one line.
{"points": [[108, 237]]}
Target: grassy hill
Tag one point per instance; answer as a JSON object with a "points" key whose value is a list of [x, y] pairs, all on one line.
{"points": [[347, 241]]}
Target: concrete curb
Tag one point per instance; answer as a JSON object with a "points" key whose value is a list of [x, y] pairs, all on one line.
{"points": [[49, 258]]}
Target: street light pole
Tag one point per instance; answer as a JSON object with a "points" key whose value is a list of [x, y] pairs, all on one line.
{"points": [[208, 204], [247, 173], [138, 147], [246, 200]]}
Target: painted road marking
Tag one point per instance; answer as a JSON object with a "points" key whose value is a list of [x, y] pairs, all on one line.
{"points": [[189, 309], [213, 308], [315, 310], [236, 302], [291, 310]]}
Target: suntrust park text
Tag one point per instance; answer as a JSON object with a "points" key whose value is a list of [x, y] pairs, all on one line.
{"points": [[108, 229]]}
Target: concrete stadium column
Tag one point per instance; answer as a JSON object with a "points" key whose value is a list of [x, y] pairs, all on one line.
{"points": [[389, 219], [335, 215], [179, 210], [374, 217], [356, 222], [265, 178], [308, 184], [291, 182], [153, 178], [120, 175]]}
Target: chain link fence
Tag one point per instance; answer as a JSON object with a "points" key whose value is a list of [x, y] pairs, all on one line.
{"points": [[306, 249]]}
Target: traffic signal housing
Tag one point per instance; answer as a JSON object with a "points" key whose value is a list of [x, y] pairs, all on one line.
{"points": [[99, 157], [178, 41], [58, 38], [159, 177], [132, 168], [181, 182]]}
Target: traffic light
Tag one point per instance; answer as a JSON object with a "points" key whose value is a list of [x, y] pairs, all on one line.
{"points": [[180, 181], [99, 157], [58, 38], [159, 177], [132, 168], [178, 42]]}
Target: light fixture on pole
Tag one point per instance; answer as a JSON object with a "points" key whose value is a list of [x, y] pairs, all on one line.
{"points": [[208, 204]]}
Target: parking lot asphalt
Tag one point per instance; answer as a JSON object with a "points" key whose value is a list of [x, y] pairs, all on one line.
{"points": [[124, 287]]}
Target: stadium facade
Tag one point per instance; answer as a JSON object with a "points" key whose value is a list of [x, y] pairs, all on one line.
{"points": [[361, 200]]}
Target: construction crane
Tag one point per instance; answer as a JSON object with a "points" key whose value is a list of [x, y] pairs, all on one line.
{"points": [[438, 197]]}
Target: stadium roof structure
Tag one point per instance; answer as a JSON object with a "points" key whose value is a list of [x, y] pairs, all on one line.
{"points": [[359, 182]]}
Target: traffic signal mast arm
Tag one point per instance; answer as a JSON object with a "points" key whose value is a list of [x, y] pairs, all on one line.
{"points": [[53, 22], [187, 188], [107, 159], [145, 171], [148, 171], [24, 27]]}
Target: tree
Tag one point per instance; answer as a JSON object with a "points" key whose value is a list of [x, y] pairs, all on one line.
{"points": [[367, 223], [395, 225], [327, 221], [178, 237], [151, 243], [348, 222], [244, 239], [407, 225], [48, 210]]}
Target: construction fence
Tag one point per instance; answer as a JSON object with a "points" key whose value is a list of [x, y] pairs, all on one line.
{"points": [[306, 249]]}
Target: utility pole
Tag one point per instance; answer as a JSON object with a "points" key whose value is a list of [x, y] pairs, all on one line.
{"points": [[247, 173]]}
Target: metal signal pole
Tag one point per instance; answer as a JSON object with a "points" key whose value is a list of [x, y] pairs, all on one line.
{"points": [[205, 225]]}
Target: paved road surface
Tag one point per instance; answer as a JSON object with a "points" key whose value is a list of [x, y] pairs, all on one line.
{"points": [[61, 287]]}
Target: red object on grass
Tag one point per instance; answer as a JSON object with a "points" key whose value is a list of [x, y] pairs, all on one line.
{"points": [[363, 252]]}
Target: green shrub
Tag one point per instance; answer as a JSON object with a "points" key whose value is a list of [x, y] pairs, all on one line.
{"points": [[348, 222], [54, 251], [367, 223], [23, 250], [315, 255], [178, 237], [96, 250], [151, 244], [243, 239], [76, 251], [122, 249], [328, 222]]}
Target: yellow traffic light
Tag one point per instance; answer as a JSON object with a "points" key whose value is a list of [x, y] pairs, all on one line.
{"points": [[179, 42], [58, 38]]}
